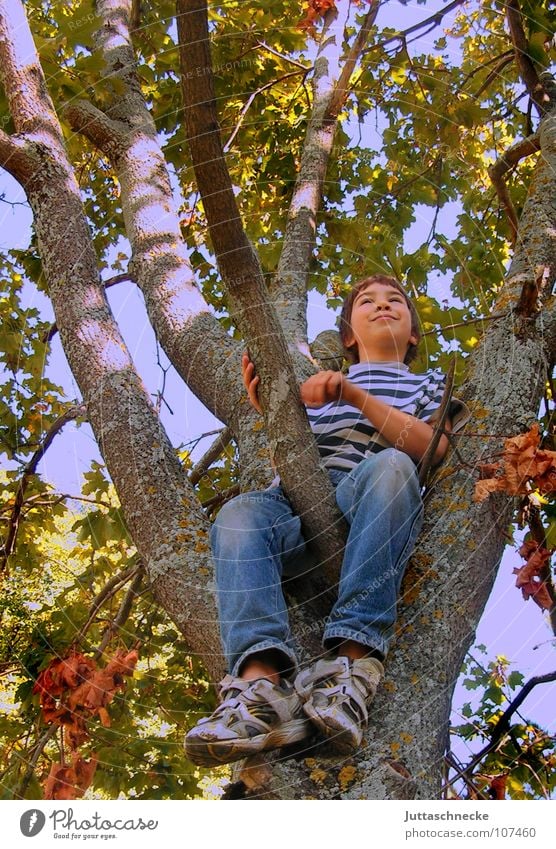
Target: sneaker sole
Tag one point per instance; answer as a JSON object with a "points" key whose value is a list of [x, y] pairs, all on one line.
{"points": [[206, 752], [340, 738]]}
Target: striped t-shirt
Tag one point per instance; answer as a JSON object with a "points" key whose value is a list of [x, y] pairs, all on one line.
{"points": [[345, 436]]}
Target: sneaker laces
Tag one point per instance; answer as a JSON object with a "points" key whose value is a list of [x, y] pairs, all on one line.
{"points": [[260, 698], [342, 681]]}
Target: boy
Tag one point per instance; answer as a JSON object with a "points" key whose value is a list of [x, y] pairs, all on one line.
{"points": [[372, 426]]}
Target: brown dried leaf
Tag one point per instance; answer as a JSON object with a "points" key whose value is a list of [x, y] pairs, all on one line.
{"points": [[530, 577], [484, 488], [76, 731], [62, 674], [535, 589], [316, 9], [523, 464], [498, 787], [93, 695], [70, 781]]}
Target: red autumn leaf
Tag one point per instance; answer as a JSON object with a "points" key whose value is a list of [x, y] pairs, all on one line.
{"points": [[62, 674], [70, 781], [530, 577], [93, 695], [76, 731], [523, 464], [498, 787], [316, 9], [535, 589]]}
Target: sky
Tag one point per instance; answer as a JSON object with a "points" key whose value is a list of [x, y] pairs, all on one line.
{"points": [[509, 626]]}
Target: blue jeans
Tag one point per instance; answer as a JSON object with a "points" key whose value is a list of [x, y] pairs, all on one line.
{"points": [[256, 540]]}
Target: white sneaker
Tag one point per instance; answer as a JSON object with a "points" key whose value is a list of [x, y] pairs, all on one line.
{"points": [[254, 716], [336, 694]]}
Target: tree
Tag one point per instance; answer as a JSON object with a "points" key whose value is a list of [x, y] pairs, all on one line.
{"points": [[95, 138]]}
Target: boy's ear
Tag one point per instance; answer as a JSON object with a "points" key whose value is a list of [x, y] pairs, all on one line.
{"points": [[413, 339]]}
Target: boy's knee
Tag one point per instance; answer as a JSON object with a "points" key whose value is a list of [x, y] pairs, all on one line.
{"points": [[400, 463], [389, 470], [238, 514]]}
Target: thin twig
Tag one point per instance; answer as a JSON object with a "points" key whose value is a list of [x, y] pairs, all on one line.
{"points": [[452, 761], [274, 52], [493, 74], [439, 328], [210, 456], [251, 98], [502, 726], [109, 589], [20, 790], [433, 19], [28, 472], [122, 614]]}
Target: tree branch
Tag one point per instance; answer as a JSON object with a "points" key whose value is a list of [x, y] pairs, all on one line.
{"points": [[245, 108], [29, 102], [111, 587], [210, 456], [104, 132], [29, 470], [221, 498], [525, 64], [502, 726], [433, 19], [19, 792], [292, 446], [341, 88], [122, 615], [16, 157], [508, 160], [330, 87], [438, 428]]}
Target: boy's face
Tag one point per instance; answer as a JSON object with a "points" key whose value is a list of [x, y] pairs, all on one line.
{"points": [[381, 323]]}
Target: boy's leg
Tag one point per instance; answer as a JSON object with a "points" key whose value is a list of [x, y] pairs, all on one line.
{"points": [[381, 501], [254, 534]]}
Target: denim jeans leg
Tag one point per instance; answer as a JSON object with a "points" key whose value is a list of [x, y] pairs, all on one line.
{"points": [[253, 535], [381, 500]]}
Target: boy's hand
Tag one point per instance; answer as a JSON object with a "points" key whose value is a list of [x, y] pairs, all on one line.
{"points": [[251, 381], [324, 387]]}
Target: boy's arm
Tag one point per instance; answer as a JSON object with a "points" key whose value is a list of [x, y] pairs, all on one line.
{"points": [[402, 430]]}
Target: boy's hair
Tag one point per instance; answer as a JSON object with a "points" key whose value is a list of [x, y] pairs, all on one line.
{"points": [[347, 307]]}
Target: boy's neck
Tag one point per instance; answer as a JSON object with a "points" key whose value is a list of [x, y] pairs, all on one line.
{"points": [[381, 356], [381, 360]]}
